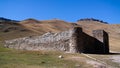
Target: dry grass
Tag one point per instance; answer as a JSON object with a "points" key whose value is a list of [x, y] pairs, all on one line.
{"points": [[34, 27]]}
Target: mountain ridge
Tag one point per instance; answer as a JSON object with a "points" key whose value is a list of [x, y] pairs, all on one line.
{"points": [[33, 27]]}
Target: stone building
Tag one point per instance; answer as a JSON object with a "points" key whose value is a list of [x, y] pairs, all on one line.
{"points": [[73, 41]]}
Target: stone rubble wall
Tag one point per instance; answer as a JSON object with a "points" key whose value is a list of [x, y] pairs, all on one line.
{"points": [[73, 41], [48, 41]]}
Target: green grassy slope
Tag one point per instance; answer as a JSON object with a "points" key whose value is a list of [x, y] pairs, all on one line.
{"points": [[10, 58]]}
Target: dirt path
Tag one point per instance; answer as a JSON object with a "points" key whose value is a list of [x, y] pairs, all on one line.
{"points": [[95, 63]]}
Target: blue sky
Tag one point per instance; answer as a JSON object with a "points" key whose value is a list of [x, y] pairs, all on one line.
{"points": [[68, 10]]}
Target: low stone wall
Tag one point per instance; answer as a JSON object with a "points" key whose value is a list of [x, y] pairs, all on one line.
{"points": [[48, 41]]}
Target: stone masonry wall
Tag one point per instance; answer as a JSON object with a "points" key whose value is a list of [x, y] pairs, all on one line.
{"points": [[73, 41], [48, 41], [103, 37]]}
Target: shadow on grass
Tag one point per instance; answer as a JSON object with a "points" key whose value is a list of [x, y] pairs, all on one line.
{"points": [[113, 53], [110, 53]]}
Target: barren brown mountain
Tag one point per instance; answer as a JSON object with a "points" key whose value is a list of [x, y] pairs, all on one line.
{"points": [[31, 27]]}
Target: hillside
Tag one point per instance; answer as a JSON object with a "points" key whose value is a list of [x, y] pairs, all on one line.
{"points": [[10, 29], [41, 27], [30, 27]]}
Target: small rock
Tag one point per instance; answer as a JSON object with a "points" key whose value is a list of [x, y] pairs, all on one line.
{"points": [[42, 62], [60, 56], [64, 49], [99, 66], [77, 65]]}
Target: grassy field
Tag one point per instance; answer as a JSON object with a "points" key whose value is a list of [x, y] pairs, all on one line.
{"points": [[10, 58]]}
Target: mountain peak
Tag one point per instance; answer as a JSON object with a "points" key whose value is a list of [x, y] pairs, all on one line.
{"points": [[92, 19], [30, 20]]}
